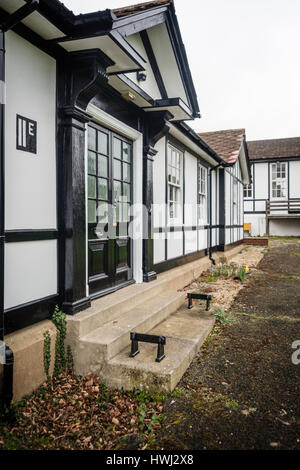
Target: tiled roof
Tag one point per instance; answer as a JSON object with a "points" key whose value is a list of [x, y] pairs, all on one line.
{"points": [[226, 143], [274, 148], [129, 10]]}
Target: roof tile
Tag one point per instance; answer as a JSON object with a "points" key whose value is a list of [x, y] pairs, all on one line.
{"points": [[131, 9], [226, 143], [274, 148]]}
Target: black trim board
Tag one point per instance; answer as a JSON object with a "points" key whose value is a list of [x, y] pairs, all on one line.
{"points": [[175, 262], [15, 236], [29, 313], [153, 63]]}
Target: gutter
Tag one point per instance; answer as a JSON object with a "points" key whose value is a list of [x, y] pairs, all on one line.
{"points": [[8, 359]]}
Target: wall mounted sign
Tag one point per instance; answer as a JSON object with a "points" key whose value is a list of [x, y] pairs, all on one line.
{"points": [[26, 134]]}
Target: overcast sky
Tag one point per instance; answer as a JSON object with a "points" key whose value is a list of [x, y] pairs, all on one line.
{"points": [[245, 61]]}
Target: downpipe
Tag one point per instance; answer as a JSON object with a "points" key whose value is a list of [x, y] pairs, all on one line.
{"points": [[213, 261]]}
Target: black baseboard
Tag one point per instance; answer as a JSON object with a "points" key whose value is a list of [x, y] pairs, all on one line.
{"points": [[175, 262], [30, 313], [230, 246], [70, 308], [149, 277]]}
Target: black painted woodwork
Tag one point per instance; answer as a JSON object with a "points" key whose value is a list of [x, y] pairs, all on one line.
{"points": [[222, 206], [109, 243], [79, 78], [158, 127]]}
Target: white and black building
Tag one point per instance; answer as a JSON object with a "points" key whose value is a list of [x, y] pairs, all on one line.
{"points": [[93, 122], [272, 200]]}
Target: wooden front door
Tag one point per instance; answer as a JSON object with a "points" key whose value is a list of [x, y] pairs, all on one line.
{"points": [[109, 199]]}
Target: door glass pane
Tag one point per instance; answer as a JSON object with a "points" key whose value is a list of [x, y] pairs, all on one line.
{"points": [[92, 138], [102, 166], [117, 169], [125, 212], [117, 147], [102, 143], [92, 163], [92, 186], [117, 191], [126, 172], [92, 211], [126, 192], [102, 189], [118, 212], [102, 212], [126, 152]]}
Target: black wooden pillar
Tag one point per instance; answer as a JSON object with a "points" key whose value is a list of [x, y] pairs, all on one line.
{"points": [[80, 77], [157, 127], [148, 273], [222, 196]]}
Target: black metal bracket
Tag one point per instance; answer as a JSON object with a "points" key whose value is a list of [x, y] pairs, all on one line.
{"points": [[159, 340], [193, 295]]}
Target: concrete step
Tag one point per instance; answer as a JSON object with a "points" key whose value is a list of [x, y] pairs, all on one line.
{"points": [[111, 306], [185, 330], [99, 346]]}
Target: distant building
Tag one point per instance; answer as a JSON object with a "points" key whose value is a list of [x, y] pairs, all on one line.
{"points": [[272, 200]]}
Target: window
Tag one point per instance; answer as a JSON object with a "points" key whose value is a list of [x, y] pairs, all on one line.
{"points": [[235, 201], [248, 190], [174, 181], [202, 193], [279, 180]]}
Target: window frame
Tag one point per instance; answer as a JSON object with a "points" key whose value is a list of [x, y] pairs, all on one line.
{"points": [[281, 182], [175, 186], [202, 194], [248, 191]]}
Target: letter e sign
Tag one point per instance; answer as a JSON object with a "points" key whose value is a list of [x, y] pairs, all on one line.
{"points": [[26, 134]]}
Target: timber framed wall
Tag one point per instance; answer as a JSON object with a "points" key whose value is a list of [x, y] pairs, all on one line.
{"points": [[186, 238], [31, 204]]}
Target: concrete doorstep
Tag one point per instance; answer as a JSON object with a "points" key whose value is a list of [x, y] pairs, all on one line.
{"points": [[100, 336]]}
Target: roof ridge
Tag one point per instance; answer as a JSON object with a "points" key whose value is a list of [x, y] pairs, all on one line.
{"points": [[131, 8], [223, 130], [273, 140]]}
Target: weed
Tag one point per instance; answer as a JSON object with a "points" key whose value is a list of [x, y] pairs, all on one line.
{"points": [[242, 274], [232, 404], [224, 318]]}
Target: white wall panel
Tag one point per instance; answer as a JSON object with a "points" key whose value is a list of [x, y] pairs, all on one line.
{"points": [[261, 180], [30, 190], [159, 185], [295, 179], [166, 61], [258, 224], [159, 247], [191, 189], [285, 228], [150, 85], [175, 244], [30, 271], [190, 241], [202, 237]]}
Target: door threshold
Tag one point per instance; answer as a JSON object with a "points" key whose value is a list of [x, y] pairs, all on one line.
{"points": [[111, 290]]}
